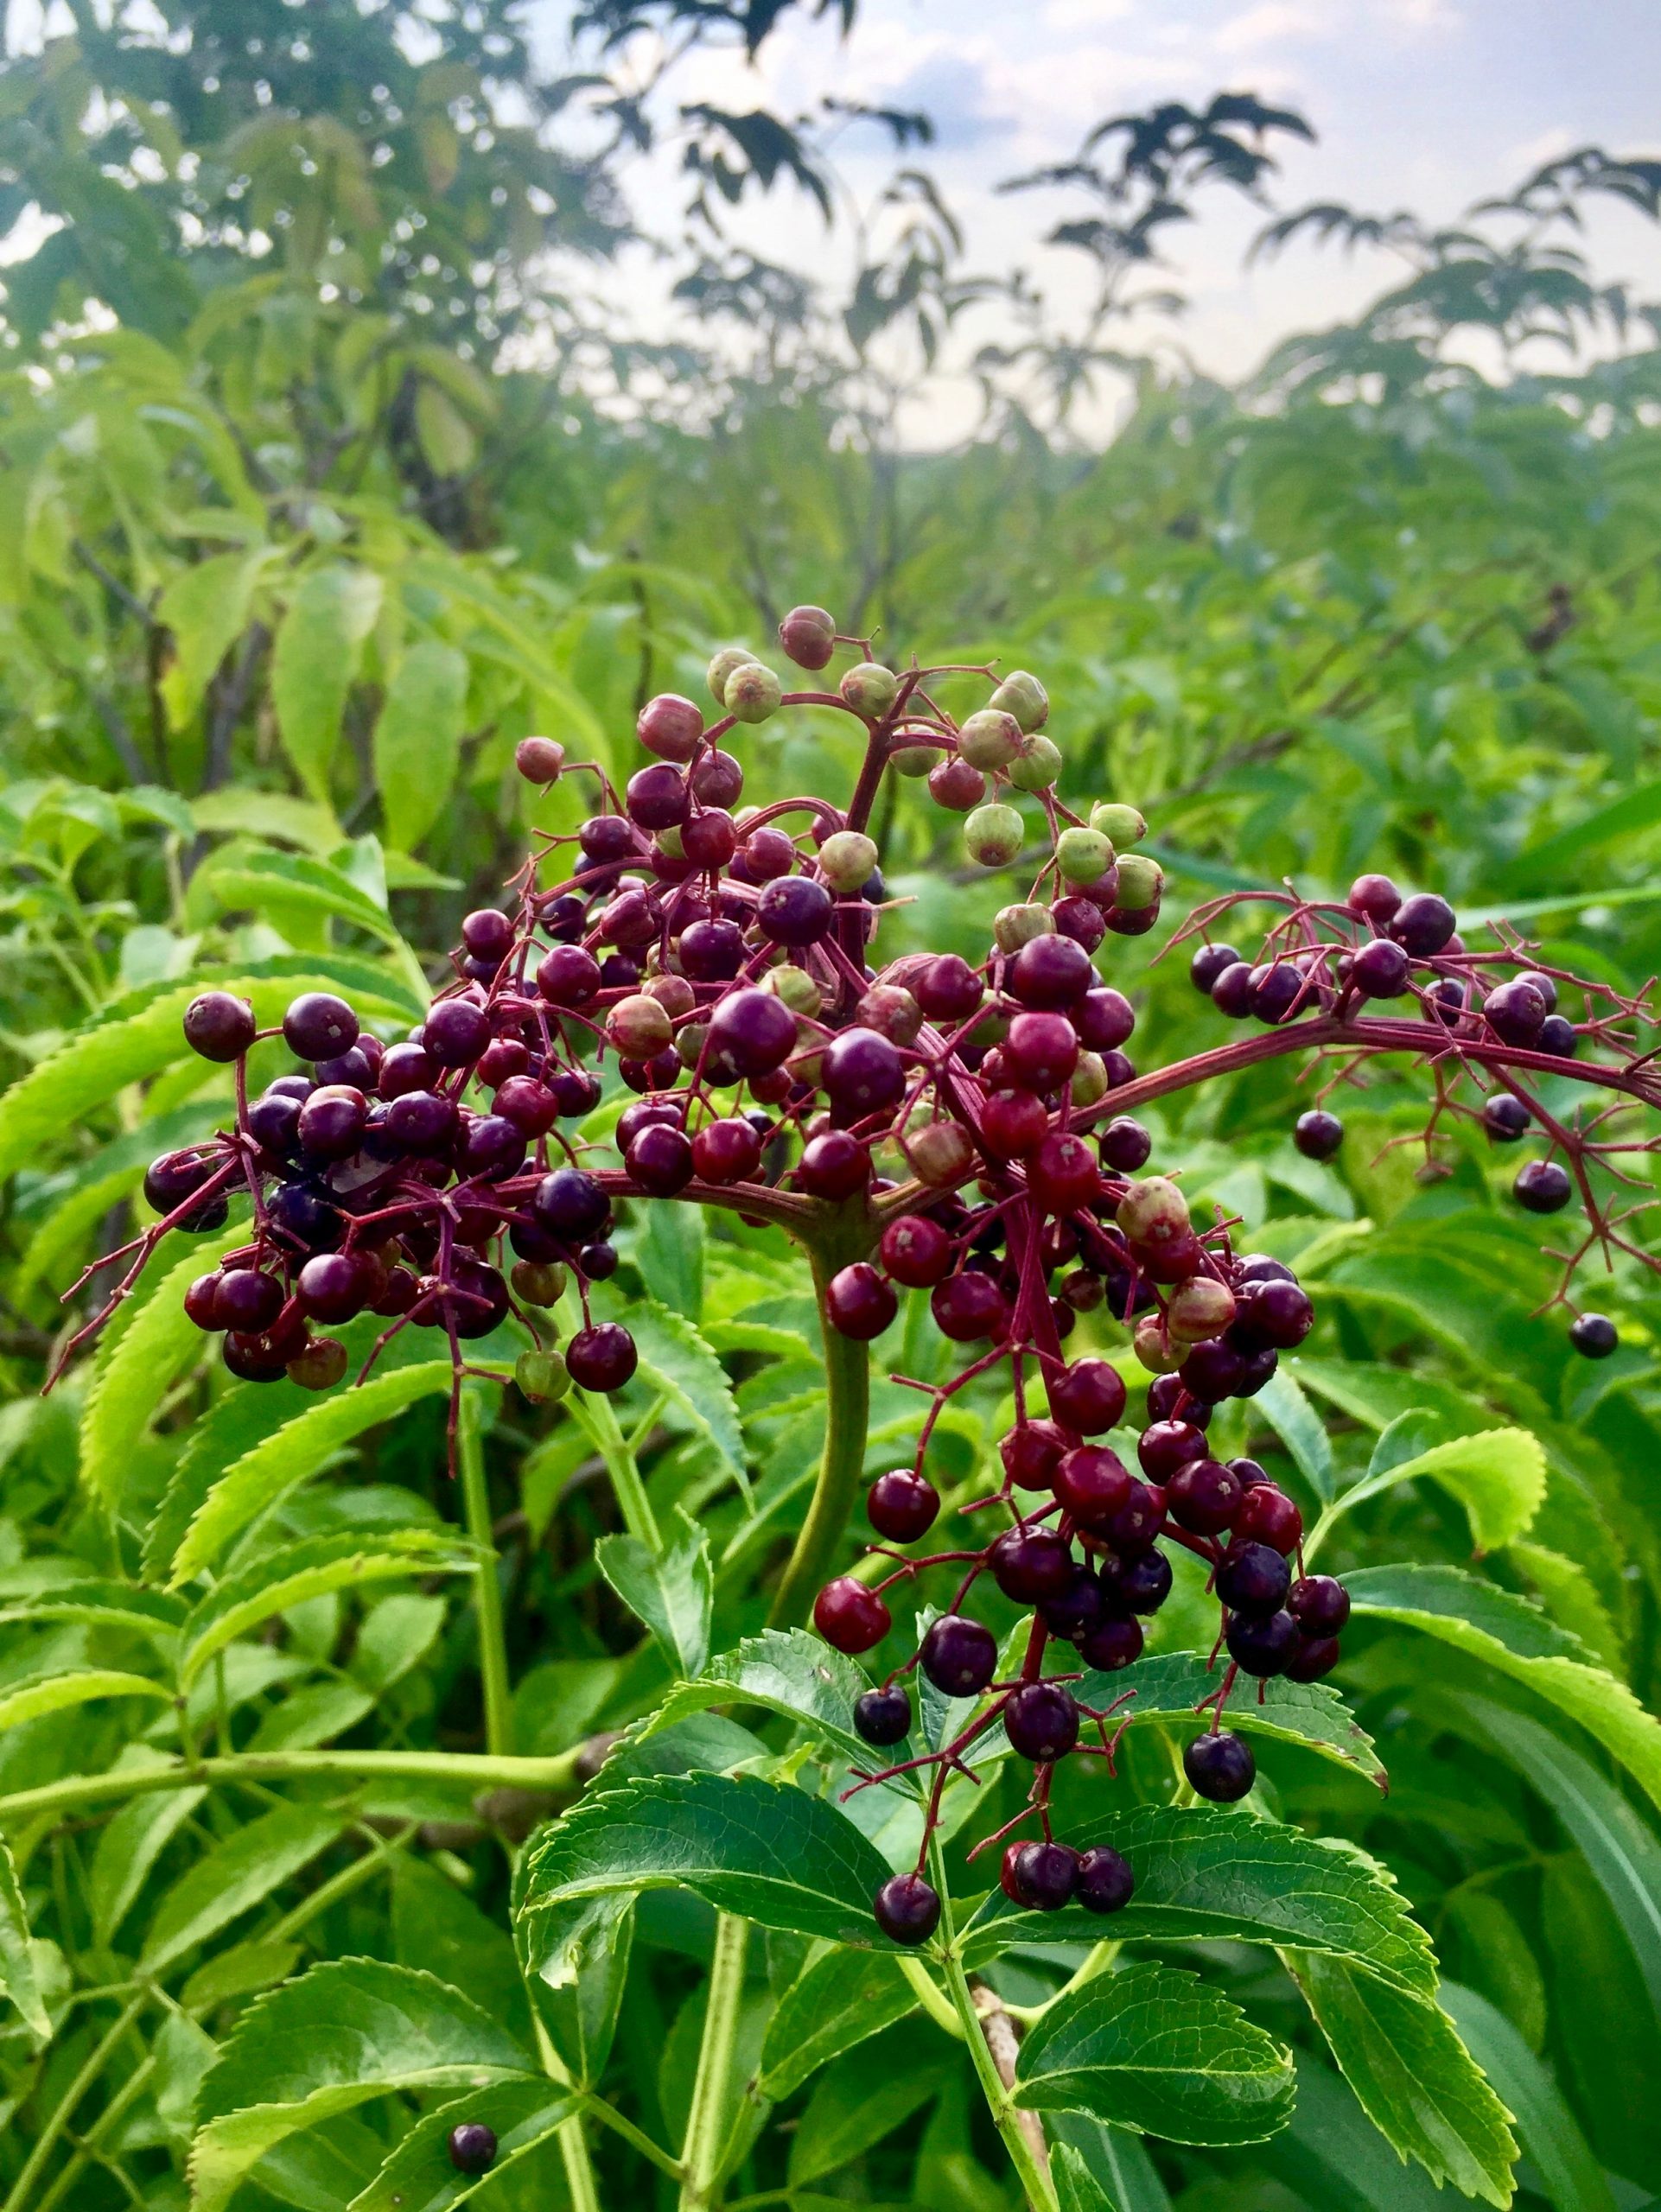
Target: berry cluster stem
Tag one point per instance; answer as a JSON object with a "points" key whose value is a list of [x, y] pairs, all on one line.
{"points": [[847, 1392], [486, 1582], [701, 2154]]}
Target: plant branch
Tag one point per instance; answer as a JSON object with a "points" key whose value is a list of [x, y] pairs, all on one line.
{"points": [[701, 2156], [848, 1387], [487, 1583]]}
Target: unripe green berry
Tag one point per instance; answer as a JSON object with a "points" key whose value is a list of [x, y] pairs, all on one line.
{"points": [[1121, 823], [539, 1282], [988, 739], [940, 1154], [1037, 765], [753, 693], [1022, 696], [993, 835], [673, 993], [795, 987], [890, 1009], [542, 1376], [870, 689], [1154, 1349], [1082, 855], [1199, 1308], [912, 758], [637, 1028], [1141, 881], [1089, 1080], [1014, 926], [690, 1041], [1153, 1211], [847, 858], [728, 659]]}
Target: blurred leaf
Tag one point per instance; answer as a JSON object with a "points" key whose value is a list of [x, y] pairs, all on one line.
{"points": [[418, 739], [315, 660]]}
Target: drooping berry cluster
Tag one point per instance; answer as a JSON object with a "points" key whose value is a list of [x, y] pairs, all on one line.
{"points": [[959, 1128]]}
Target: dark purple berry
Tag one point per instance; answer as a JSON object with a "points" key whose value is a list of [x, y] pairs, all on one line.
{"points": [[455, 1032], [794, 910], [1041, 1721], [1105, 1881], [1253, 1579], [1232, 991], [902, 1506], [219, 1026], [1029, 1564], [883, 1716], [1593, 1335], [1314, 1656], [1077, 1608], [571, 1204], [1208, 963], [858, 1303], [332, 1120], [906, 1909], [1145, 1582], [473, 2147], [1126, 1146], [1506, 1118], [1045, 1875], [1516, 1012], [1558, 1037], [959, 1656], [1422, 924], [850, 1617], [1114, 1644], [1380, 969], [317, 1026], [1317, 1134], [1262, 1645], [1542, 1186], [1220, 1766], [304, 1218], [1320, 1604], [601, 1358]]}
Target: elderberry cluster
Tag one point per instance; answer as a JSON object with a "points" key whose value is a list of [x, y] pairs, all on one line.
{"points": [[932, 1124]]}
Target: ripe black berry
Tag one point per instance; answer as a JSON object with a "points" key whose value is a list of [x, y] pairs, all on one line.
{"points": [[601, 1358], [1220, 1766], [959, 1656], [907, 1911], [317, 1026], [473, 2147], [883, 1716], [1318, 1135], [1262, 1645], [1253, 1579], [1105, 1881], [1505, 1117], [219, 1026], [1041, 1721], [1045, 1875], [1542, 1186], [1320, 1604], [1593, 1335], [902, 1506], [1208, 963]]}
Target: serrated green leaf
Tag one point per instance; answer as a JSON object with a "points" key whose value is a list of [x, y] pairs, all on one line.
{"points": [[784, 1671], [319, 641], [59, 1093], [835, 2002], [1573, 2179], [1416, 2081], [107, 1605], [676, 1361], [307, 1570], [1498, 1476], [18, 1980], [141, 1366], [1159, 2052], [206, 606], [243, 1971], [1205, 1875], [32, 1700], [760, 1849], [418, 2175], [1512, 1635], [129, 1844], [417, 740], [235, 1876], [349, 2029], [1170, 1685], [1295, 1420], [672, 1591], [291, 1454]]}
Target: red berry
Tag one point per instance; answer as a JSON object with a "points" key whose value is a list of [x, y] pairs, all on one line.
{"points": [[916, 1252], [1267, 1516], [850, 1617], [1014, 1123], [834, 1166], [1088, 1396], [859, 1303], [902, 1506], [969, 1306], [1062, 1174], [1031, 1454], [1092, 1483], [601, 1358], [726, 1152]]}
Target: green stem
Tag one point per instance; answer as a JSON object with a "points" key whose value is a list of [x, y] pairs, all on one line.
{"points": [[933, 2000], [487, 1583], [848, 1387], [571, 2134], [705, 2132], [636, 2137], [480, 1772], [1041, 2194], [86, 2149], [22, 2189], [594, 1413]]}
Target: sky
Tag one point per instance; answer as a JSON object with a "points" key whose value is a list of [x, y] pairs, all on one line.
{"points": [[1427, 105]]}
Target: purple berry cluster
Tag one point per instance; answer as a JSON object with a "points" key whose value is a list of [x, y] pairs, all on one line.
{"points": [[934, 1124]]}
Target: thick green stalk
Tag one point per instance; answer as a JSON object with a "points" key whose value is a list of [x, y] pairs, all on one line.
{"points": [[705, 2131], [22, 2189], [487, 1583], [571, 2134], [848, 1387], [1034, 2180], [594, 1413], [477, 1771]]}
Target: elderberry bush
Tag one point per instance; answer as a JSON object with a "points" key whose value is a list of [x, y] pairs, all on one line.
{"points": [[930, 1123]]}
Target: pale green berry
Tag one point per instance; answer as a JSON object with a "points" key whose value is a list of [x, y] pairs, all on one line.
{"points": [[1121, 823], [1153, 1211], [753, 693], [870, 689], [1155, 1349], [1199, 1308], [1141, 882], [913, 759], [993, 835], [1036, 766], [1082, 855], [940, 1154], [1089, 1080], [1014, 926], [1025, 698], [637, 1028], [847, 858], [988, 739], [728, 659], [795, 987], [690, 1041], [542, 1376]]}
